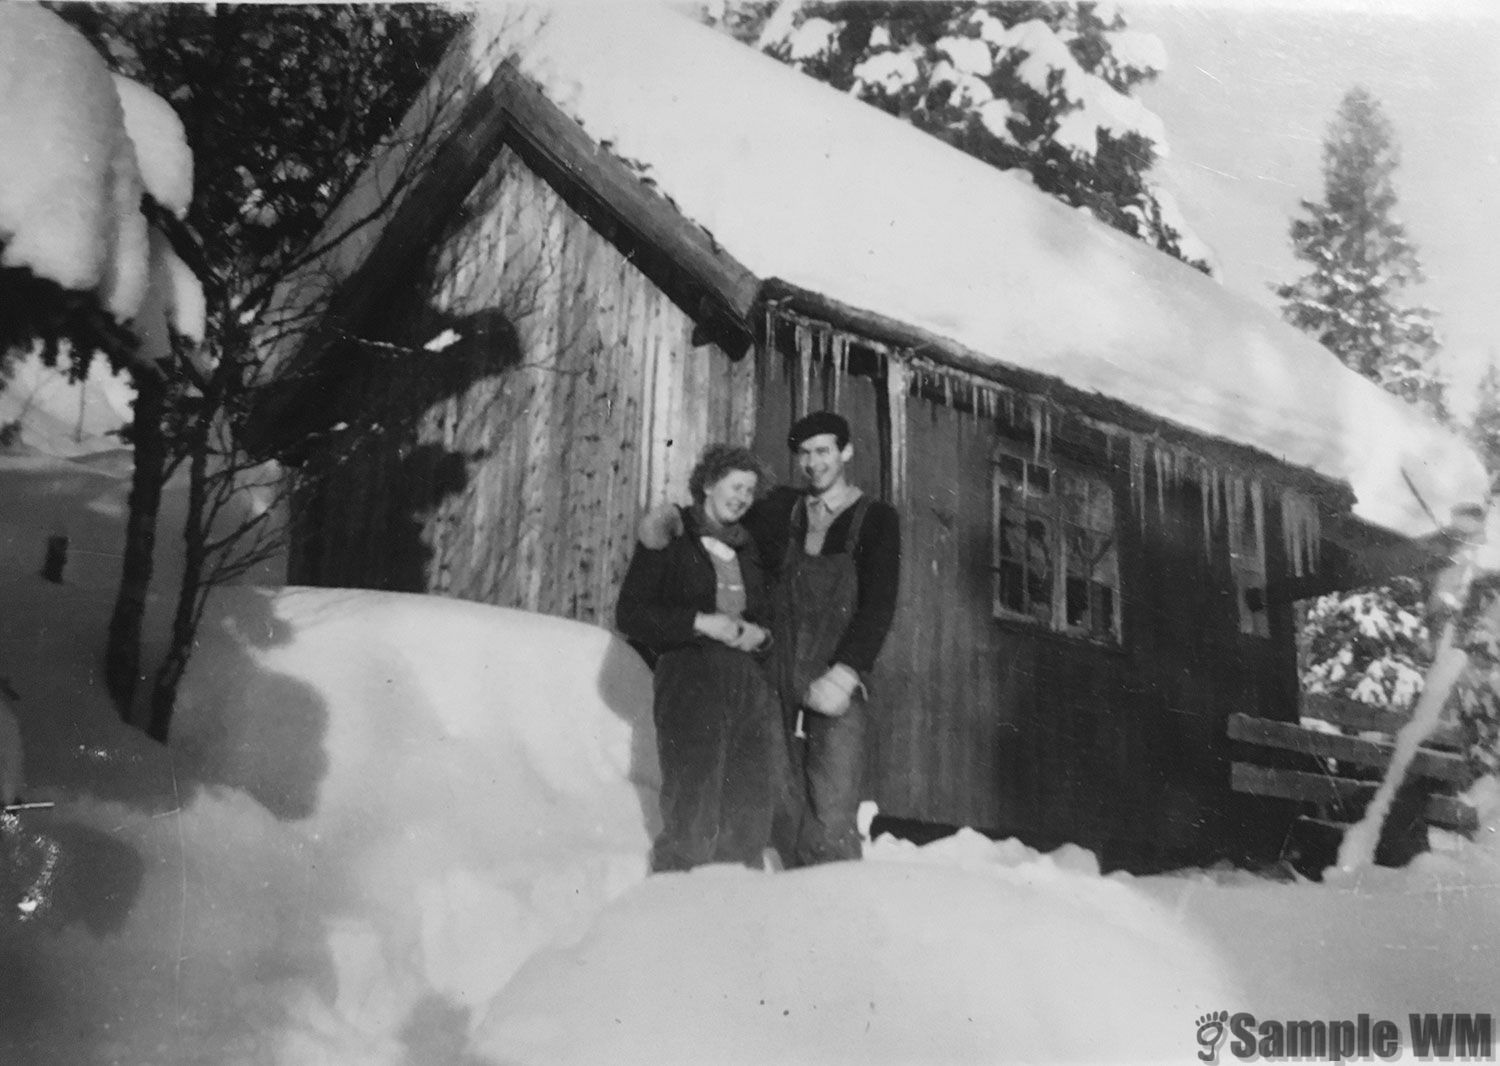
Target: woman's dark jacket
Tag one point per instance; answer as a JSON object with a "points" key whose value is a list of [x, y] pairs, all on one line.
{"points": [[666, 587]]}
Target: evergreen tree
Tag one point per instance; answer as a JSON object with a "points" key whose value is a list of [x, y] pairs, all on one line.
{"points": [[1352, 298], [1370, 645], [1484, 428], [1036, 88]]}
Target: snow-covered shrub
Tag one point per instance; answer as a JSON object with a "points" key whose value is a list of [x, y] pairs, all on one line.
{"points": [[1370, 645], [1476, 697]]}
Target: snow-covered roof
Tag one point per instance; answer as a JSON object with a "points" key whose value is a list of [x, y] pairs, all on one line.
{"points": [[78, 147], [802, 183]]}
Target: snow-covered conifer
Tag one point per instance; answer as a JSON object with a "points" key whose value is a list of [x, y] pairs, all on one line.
{"points": [[1370, 645], [1353, 297], [1042, 89]]}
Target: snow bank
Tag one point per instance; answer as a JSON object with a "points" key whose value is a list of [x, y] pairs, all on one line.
{"points": [[964, 951], [802, 183], [398, 829], [59, 417], [376, 806], [1386, 943]]}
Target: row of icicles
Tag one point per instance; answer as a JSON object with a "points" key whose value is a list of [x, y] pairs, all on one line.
{"points": [[1230, 499]]}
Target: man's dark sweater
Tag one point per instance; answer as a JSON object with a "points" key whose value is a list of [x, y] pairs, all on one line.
{"points": [[877, 563]]}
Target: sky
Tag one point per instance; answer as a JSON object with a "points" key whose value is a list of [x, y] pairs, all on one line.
{"points": [[1247, 99]]}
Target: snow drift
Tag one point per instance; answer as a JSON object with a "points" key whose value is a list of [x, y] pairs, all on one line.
{"points": [[376, 807], [396, 829], [962, 952]]}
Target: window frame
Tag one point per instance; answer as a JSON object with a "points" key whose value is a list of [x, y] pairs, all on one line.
{"points": [[1050, 510]]}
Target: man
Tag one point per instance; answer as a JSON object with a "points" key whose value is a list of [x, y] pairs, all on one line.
{"points": [[836, 554]]}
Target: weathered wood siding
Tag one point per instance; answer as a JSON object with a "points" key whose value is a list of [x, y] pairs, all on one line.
{"points": [[1008, 727], [518, 481]]}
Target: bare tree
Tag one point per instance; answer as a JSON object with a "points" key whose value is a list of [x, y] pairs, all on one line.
{"points": [[282, 106]]}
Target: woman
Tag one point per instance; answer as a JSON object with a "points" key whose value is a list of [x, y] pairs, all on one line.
{"points": [[695, 597]]}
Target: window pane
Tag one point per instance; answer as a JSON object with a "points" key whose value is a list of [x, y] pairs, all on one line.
{"points": [[1012, 587], [1101, 509], [1102, 610], [1012, 536], [1054, 549], [1039, 574], [1073, 499], [1078, 603], [1106, 567]]}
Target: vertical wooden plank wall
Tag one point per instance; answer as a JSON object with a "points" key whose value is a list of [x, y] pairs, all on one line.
{"points": [[1020, 731], [600, 411]]}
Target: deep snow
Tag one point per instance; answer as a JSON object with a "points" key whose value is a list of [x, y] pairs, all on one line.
{"points": [[401, 829]]}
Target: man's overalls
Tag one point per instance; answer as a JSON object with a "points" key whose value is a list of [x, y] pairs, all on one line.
{"points": [[815, 598]]}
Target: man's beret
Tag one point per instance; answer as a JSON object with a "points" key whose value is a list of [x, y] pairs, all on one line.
{"points": [[816, 424]]}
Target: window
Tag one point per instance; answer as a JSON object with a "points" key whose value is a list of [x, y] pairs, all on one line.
{"points": [[1056, 560]]}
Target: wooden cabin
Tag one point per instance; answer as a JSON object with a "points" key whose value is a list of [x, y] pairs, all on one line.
{"points": [[634, 236]]}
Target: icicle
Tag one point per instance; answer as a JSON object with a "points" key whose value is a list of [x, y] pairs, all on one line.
{"points": [[840, 365], [1312, 533], [773, 358], [804, 367], [897, 382], [1300, 531], [1036, 431], [1291, 532], [1161, 479], [1138, 478], [1236, 514], [1206, 498], [822, 357], [1258, 515]]}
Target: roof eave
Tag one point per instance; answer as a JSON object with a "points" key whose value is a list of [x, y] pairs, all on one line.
{"points": [[1336, 496]]}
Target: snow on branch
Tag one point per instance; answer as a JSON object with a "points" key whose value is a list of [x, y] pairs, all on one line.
{"points": [[81, 150]]}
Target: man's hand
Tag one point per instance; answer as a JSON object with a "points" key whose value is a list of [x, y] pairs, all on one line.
{"points": [[832, 692]]}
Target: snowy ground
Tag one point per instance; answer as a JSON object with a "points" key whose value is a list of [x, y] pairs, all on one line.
{"points": [[398, 829]]}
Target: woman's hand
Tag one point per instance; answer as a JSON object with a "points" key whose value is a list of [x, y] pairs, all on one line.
{"points": [[718, 627], [752, 637], [742, 636]]}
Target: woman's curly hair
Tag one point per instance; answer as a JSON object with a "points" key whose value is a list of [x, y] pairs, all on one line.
{"points": [[719, 460]]}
